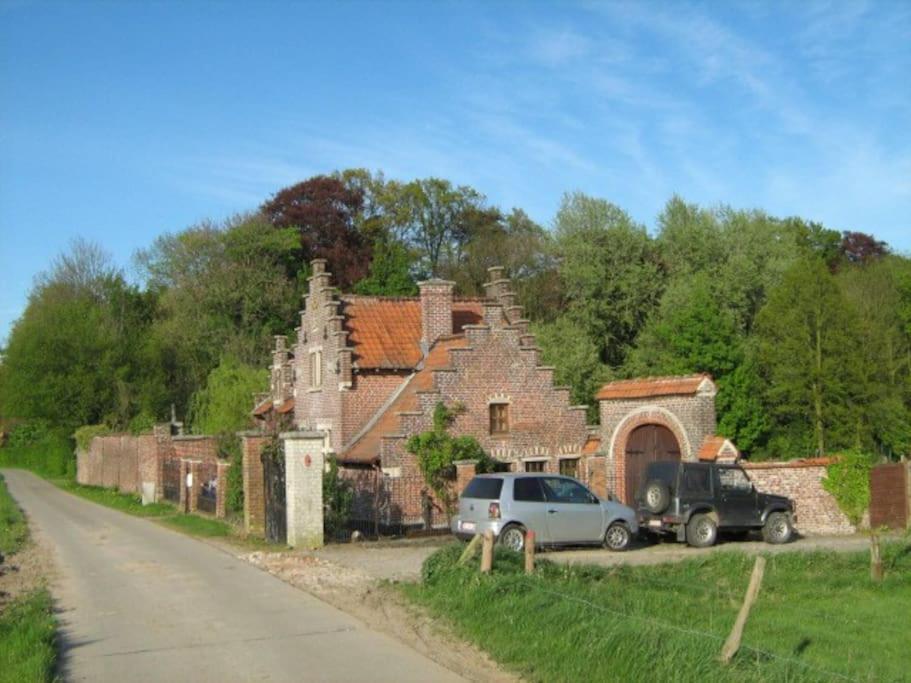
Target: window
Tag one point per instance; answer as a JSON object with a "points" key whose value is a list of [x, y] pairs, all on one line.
{"points": [[560, 490], [316, 369], [734, 479], [528, 489], [696, 479], [484, 488], [569, 467], [534, 465], [499, 418]]}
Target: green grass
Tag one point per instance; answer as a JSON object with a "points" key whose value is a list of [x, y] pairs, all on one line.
{"points": [[818, 617], [199, 526], [27, 651], [13, 528], [125, 502]]}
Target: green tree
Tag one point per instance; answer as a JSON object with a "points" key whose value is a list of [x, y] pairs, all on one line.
{"points": [[809, 359], [390, 271]]}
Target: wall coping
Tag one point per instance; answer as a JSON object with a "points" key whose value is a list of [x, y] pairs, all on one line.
{"points": [[191, 437], [313, 434], [788, 464], [465, 462], [252, 432]]}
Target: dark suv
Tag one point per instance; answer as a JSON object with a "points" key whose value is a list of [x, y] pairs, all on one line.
{"points": [[696, 500]]}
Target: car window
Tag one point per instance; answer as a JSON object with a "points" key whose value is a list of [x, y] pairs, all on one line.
{"points": [[528, 489], [486, 488], [559, 490], [733, 479], [696, 480]]}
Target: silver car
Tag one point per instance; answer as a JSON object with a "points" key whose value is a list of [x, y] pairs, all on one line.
{"points": [[558, 509]]}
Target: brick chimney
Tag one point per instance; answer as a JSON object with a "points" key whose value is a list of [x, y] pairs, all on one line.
{"points": [[436, 310]]}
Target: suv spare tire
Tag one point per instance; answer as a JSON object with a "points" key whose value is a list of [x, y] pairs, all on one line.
{"points": [[657, 496]]}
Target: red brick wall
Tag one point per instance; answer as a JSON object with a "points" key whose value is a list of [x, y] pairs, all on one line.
{"points": [[254, 500], [369, 392], [817, 511], [195, 448], [890, 496], [436, 310]]}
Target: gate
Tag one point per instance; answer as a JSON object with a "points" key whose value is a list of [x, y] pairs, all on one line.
{"points": [[170, 480], [273, 459], [646, 444], [890, 496], [208, 487]]}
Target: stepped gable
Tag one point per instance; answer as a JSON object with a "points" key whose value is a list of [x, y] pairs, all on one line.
{"points": [[385, 332], [366, 447]]}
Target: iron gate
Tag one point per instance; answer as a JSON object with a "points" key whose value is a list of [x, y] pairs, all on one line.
{"points": [[170, 479], [208, 487], [273, 459]]}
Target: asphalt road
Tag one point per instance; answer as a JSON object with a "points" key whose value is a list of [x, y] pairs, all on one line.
{"points": [[138, 602]]}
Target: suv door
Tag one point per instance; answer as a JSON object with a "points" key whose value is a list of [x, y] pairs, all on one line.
{"points": [[529, 507], [736, 498], [574, 514]]}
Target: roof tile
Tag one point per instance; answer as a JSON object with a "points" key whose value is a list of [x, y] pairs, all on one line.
{"points": [[652, 386]]}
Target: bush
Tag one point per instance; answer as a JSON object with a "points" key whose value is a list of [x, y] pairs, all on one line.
{"points": [[86, 433], [48, 453], [141, 423], [338, 498], [848, 480], [229, 449]]}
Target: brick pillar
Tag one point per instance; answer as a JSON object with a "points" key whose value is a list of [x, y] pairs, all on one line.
{"points": [[254, 499], [184, 468], [465, 471], [597, 475], [195, 483], [221, 492]]}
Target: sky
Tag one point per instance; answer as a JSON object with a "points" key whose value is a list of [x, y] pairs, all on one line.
{"points": [[120, 121]]}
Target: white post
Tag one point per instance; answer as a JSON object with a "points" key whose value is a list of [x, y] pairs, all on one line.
{"points": [[304, 464]]}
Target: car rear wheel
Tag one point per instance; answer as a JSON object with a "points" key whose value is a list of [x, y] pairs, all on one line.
{"points": [[512, 537], [617, 537], [777, 528], [657, 496], [701, 531]]}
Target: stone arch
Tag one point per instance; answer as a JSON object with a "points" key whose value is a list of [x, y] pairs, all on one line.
{"points": [[646, 415]]}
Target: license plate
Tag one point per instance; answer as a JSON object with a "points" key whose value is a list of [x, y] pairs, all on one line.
{"points": [[467, 526], [654, 523]]}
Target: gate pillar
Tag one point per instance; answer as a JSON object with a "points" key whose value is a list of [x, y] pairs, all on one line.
{"points": [[305, 460]]}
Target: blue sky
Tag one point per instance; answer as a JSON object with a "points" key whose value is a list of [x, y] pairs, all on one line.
{"points": [[123, 120]]}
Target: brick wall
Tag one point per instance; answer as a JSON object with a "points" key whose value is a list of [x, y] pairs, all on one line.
{"points": [[369, 392], [817, 511], [436, 310], [890, 496], [195, 448]]}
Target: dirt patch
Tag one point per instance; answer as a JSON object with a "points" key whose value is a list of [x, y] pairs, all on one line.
{"points": [[29, 569], [382, 608]]}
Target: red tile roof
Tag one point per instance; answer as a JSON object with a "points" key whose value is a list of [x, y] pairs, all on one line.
{"points": [[593, 445], [286, 407], [386, 332], [713, 447], [366, 449], [267, 406], [263, 407], [652, 386]]}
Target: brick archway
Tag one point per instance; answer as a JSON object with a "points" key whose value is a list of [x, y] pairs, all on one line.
{"points": [[647, 415]]}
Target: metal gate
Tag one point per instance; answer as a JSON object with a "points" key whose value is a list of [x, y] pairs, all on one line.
{"points": [[170, 479], [208, 487], [273, 459]]}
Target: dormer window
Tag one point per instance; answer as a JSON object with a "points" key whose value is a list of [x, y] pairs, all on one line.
{"points": [[499, 418]]}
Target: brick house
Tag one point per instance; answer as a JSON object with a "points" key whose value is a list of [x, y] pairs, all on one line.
{"points": [[368, 372]]}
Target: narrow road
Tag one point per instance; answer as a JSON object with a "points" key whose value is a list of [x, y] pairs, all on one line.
{"points": [[138, 602]]}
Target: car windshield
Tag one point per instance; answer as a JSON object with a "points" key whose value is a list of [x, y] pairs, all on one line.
{"points": [[486, 488]]}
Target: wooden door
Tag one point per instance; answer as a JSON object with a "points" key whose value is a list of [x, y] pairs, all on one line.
{"points": [[648, 443]]}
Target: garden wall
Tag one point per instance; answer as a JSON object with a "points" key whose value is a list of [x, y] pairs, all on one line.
{"points": [[801, 480]]}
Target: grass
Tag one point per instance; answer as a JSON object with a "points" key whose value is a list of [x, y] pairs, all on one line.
{"points": [[13, 528], [125, 502], [199, 526], [818, 617], [27, 651]]}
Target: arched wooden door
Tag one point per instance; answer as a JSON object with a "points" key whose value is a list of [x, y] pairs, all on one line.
{"points": [[646, 444]]}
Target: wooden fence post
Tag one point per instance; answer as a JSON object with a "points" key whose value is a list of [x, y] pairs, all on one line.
{"points": [[876, 560], [470, 550], [732, 644], [529, 552], [487, 553]]}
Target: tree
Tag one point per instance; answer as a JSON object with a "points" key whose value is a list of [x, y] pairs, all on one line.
{"points": [[390, 271], [689, 238], [859, 247], [609, 272], [808, 354], [325, 211]]}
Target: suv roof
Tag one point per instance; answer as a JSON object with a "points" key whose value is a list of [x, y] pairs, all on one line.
{"points": [[513, 475]]}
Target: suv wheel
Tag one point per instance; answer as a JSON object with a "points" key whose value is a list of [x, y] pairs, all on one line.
{"points": [[617, 537], [657, 496], [512, 537], [777, 528], [701, 531]]}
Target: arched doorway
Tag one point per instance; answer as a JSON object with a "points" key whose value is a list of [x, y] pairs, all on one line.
{"points": [[646, 444]]}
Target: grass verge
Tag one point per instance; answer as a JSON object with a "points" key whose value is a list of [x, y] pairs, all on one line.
{"points": [[818, 617], [27, 651], [13, 528]]}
